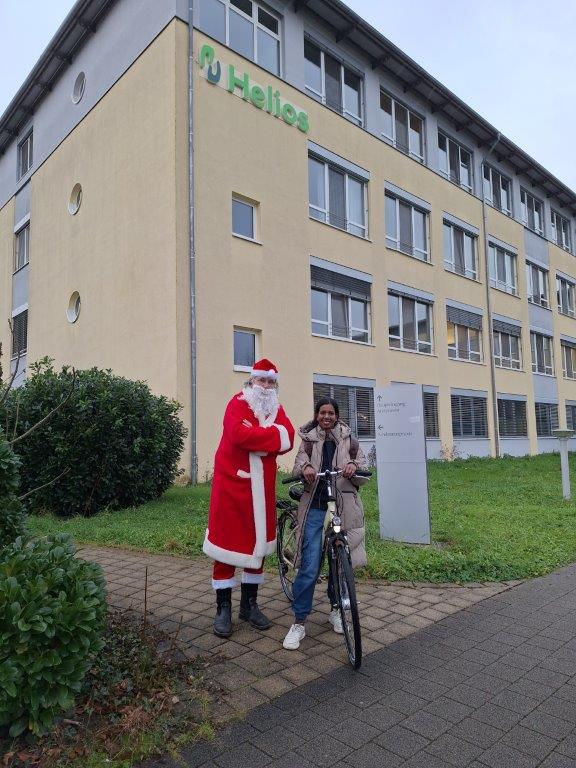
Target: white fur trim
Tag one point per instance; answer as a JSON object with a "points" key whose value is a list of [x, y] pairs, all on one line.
{"points": [[241, 473], [231, 558], [259, 372], [258, 502], [284, 437], [252, 578], [224, 583]]}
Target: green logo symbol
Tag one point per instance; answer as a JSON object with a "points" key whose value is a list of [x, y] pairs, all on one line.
{"points": [[207, 59]]}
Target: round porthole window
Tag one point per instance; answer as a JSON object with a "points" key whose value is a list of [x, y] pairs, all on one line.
{"points": [[74, 305], [75, 199], [79, 87]]}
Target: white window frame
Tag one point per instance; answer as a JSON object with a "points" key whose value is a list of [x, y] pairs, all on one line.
{"points": [[392, 139], [510, 285], [501, 178], [569, 312], [539, 366], [252, 332], [462, 349], [24, 231], [446, 172], [541, 291], [528, 204], [325, 212], [255, 25], [402, 344], [321, 95], [506, 361], [25, 152], [395, 243], [561, 230], [568, 351], [350, 328], [450, 263], [253, 206]]}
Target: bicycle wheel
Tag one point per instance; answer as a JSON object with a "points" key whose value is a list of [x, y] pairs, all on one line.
{"points": [[346, 595], [286, 551]]}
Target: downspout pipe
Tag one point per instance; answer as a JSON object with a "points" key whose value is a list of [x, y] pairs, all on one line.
{"points": [[489, 310], [192, 250]]}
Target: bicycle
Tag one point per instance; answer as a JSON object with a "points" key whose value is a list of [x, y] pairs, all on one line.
{"points": [[335, 549]]}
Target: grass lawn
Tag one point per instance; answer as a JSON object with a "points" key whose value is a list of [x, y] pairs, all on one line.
{"points": [[491, 520]]}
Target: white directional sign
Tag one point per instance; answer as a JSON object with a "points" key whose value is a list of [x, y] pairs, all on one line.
{"points": [[401, 461]]}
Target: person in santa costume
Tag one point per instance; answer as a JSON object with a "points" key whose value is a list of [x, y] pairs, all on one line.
{"points": [[242, 519]]}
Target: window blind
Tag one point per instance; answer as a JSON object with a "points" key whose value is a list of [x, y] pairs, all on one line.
{"points": [[512, 418], [431, 422], [334, 282], [469, 416], [463, 317], [356, 405], [546, 418], [502, 327]]}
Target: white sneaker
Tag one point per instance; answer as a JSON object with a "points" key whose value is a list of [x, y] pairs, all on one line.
{"points": [[336, 620], [296, 633]]}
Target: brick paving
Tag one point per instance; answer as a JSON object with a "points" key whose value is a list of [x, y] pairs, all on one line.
{"points": [[490, 686]]}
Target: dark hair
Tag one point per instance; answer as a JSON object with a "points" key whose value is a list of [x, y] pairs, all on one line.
{"points": [[326, 401]]}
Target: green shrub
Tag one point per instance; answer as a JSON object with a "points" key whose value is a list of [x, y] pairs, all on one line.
{"points": [[52, 613], [117, 444], [12, 522]]}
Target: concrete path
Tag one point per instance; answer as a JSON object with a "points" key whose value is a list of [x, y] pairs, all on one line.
{"points": [[492, 686], [252, 668]]}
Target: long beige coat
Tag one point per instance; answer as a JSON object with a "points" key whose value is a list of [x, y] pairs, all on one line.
{"points": [[352, 509]]}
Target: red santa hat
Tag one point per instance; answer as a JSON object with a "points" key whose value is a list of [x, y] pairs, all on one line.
{"points": [[264, 367]]}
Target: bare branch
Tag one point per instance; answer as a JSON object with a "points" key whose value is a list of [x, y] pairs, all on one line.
{"points": [[39, 488], [16, 417], [49, 415]]}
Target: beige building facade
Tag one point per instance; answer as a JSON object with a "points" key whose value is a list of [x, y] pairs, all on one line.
{"points": [[279, 180]]}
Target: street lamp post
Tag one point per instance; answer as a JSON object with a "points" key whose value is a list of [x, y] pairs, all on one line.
{"points": [[563, 436]]}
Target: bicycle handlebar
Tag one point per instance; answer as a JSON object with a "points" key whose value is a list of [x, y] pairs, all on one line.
{"points": [[334, 473]]}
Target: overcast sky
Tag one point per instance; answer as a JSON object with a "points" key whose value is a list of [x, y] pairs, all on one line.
{"points": [[511, 60]]}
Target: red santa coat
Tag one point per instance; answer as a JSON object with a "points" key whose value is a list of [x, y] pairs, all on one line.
{"points": [[242, 520]]}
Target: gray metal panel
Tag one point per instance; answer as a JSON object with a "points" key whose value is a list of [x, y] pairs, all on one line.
{"points": [[570, 340], [537, 262], [472, 447], [20, 287], [508, 396], [464, 307], [566, 277], [470, 228], [125, 32], [407, 290], [570, 402], [545, 388], [463, 317], [341, 162], [433, 449], [511, 328], [536, 247], [355, 273], [468, 392], [515, 446], [541, 318], [501, 244], [408, 196], [430, 388], [346, 381], [22, 203], [506, 319]]}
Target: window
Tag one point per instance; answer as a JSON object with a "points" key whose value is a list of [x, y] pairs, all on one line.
{"points": [[332, 83], [455, 162], [507, 352], [460, 251], [406, 228], [244, 349], [565, 294], [464, 334], [409, 324], [568, 360], [571, 416], [561, 231], [25, 150], [542, 357], [336, 197], [497, 190], [431, 423], [537, 285], [546, 419], [401, 127], [532, 212], [20, 334], [21, 247], [340, 305], [356, 405], [503, 275], [243, 219], [246, 27], [512, 418], [469, 416]]}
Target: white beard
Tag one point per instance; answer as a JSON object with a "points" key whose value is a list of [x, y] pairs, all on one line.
{"points": [[263, 402]]}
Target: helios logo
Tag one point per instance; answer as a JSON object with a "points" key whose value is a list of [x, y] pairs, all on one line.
{"points": [[266, 99]]}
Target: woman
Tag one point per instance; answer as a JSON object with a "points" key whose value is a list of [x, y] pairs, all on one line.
{"points": [[326, 443]]}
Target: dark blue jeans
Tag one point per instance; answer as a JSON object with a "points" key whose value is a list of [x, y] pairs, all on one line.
{"points": [[305, 582]]}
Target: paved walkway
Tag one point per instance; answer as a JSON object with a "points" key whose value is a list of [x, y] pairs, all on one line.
{"points": [[252, 667], [492, 686]]}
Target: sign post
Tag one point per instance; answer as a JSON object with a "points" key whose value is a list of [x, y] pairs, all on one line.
{"points": [[401, 463], [563, 436]]}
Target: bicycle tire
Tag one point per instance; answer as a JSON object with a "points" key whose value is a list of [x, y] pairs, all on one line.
{"points": [[286, 548], [345, 587]]}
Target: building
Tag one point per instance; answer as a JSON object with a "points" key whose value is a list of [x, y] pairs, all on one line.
{"points": [[279, 179]]}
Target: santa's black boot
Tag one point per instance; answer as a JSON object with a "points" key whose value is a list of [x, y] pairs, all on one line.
{"points": [[223, 618], [249, 610]]}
